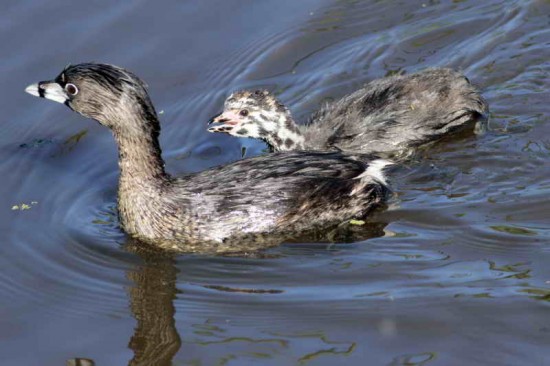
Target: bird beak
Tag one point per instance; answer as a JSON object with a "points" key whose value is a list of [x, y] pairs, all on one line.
{"points": [[223, 122], [214, 119], [49, 90]]}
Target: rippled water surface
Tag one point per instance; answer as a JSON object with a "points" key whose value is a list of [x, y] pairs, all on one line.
{"points": [[460, 274]]}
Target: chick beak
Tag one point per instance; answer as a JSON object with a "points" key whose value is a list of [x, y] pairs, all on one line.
{"points": [[215, 118], [49, 90], [223, 122]]}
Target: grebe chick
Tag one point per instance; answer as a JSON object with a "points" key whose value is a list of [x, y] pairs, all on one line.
{"points": [[222, 209], [391, 115]]}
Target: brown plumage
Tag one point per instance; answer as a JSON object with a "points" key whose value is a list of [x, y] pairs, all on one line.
{"points": [[392, 115], [246, 205]]}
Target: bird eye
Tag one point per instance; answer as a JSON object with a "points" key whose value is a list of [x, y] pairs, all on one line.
{"points": [[244, 112], [71, 89]]}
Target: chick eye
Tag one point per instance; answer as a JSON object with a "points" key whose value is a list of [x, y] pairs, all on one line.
{"points": [[71, 89], [244, 112]]}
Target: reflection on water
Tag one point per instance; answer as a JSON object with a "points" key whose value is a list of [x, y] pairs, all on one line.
{"points": [[156, 339], [152, 293], [456, 266]]}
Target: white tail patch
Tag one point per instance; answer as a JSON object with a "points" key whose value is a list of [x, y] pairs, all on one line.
{"points": [[375, 171]]}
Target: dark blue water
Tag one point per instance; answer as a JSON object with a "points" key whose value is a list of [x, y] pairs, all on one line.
{"points": [[459, 275]]}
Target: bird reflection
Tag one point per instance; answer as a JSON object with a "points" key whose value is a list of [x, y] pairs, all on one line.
{"points": [[156, 340]]}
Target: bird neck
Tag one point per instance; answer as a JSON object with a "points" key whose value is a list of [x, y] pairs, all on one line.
{"points": [[139, 153], [286, 136], [142, 177]]}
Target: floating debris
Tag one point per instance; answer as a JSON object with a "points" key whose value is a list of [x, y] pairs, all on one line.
{"points": [[72, 140], [23, 206]]}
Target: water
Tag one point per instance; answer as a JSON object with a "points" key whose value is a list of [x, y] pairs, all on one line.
{"points": [[460, 275]]}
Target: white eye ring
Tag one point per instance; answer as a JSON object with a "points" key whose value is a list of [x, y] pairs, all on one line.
{"points": [[71, 89]]}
